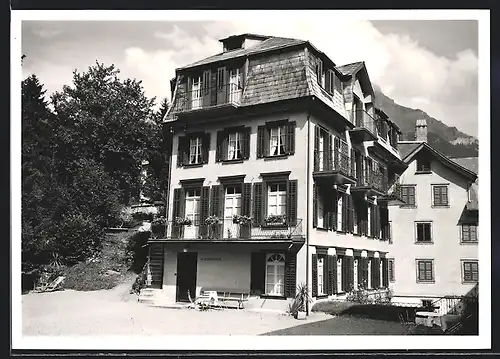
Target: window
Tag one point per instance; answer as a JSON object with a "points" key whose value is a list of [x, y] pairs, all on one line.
{"points": [[195, 150], [277, 138], [232, 202], [423, 165], [390, 268], [470, 273], [192, 212], [469, 233], [321, 268], [319, 72], [424, 232], [425, 270], [275, 274], [220, 78], [276, 199], [340, 287], [440, 196], [196, 98], [408, 195], [234, 147]]}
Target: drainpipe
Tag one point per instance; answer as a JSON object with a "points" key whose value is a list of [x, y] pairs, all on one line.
{"points": [[307, 202]]}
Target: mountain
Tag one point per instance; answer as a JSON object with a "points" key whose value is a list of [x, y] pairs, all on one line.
{"points": [[448, 140]]}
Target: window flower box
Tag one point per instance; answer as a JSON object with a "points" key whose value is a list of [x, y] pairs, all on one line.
{"points": [[183, 221], [212, 220], [242, 219], [275, 220]]}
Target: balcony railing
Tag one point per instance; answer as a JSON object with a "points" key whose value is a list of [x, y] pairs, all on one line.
{"points": [[374, 179], [333, 160], [227, 230], [395, 192], [363, 119], [208, 97]]}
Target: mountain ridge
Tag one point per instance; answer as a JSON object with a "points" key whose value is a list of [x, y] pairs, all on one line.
{"points": [[447, 139]]}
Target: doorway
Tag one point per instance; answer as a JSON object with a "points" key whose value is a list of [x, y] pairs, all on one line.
{"points": [[186, 275]]}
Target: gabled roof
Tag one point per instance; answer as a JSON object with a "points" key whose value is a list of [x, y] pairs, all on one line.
{"points": [[472, 164], [247, 35], [351, 69], [420, 146], [272, 43], [406, 147]]}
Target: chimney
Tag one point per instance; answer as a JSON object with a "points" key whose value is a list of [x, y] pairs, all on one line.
{"points": [[421, 130]]}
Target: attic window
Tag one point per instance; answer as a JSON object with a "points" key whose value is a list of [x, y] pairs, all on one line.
{"points": [[319, 72], [233, 45], [423, 165]]}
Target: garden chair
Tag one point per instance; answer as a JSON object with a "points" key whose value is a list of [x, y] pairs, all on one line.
{"points": [[52, 286], [406, 323], [192, 304]]}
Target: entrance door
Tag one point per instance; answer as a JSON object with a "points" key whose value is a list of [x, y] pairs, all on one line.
{"points": [[232, 207], [186, 275]]}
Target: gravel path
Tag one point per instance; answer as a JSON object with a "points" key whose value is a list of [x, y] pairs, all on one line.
{"points": [[115, 312]]}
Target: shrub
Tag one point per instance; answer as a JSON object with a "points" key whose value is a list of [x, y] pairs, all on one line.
{"points": [[158, 227], [299, 303], [137, 251]]}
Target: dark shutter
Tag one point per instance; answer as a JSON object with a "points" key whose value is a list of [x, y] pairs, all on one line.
{"points": [[177, 211], [258, 273], [181, 151], [353, 164], [246, 200], [214, 206], [218, 152], [326, 282], [206, 88], [373, 273], [377, 270], [344, 279], [420, 232], [336, 153], [350, 214], [205, 147], [314, 275], [384, 222], [344, 213], [290, 274], [332, 274], [332, 211], [365, 273], [291, 202], [376, 221], [290, 137], [261, 130], [315, 206], [246, 143], [316, 148], [327, 152], [224, 146], [427, 229], [205, 205], [328, 82], [360, 272], [372, 221], [385, 273], [350, 273], [257, 204]]}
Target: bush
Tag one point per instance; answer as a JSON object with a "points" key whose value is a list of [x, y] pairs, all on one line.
{"points": [[158, 227], [137, 251]]}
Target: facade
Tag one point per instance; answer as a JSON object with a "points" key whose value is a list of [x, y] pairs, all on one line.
{"points": [[435, 248], [282, 173]]}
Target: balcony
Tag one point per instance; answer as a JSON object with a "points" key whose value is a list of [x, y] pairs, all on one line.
{"points": [[333, 167], [228, 231], [371, 182], [215, 98], [393, 196], [365, 127]]}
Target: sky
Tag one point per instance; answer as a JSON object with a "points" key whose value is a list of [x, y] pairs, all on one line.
{"points": [[430, 65]]}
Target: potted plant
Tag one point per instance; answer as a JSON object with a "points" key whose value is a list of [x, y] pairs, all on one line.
{"points": [[183, 221], [242, 219], [275, 219], [158, 226], [297, 307], [212, 220]]}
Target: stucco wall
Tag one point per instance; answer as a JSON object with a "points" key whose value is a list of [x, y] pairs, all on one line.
{"points": [[446, 249]]}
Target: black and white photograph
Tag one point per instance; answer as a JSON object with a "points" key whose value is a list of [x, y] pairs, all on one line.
{"points": [[273, 177]]}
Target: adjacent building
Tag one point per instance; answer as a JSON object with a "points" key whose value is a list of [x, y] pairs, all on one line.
{"points": [[282, 173], [434, 252]]}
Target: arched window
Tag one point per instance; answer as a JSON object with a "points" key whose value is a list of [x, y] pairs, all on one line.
{"points": [[275, 274]]}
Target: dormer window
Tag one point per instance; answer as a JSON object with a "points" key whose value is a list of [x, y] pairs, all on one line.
{"points": [[332, 82], [319, 72]]}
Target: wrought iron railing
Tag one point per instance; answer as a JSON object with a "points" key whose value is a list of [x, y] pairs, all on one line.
{"points": [[363, 119], [394, 191], [373, 179], [333, 160], [207, 97], [228, 230]]}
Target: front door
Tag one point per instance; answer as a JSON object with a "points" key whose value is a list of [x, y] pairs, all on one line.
{"points": [[232, 206], [186, 275]]}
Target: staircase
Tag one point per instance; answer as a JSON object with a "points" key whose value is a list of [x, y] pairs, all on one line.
{"points": [[149, 295]]}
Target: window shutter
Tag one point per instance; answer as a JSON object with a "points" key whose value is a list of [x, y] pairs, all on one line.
{"points": [[332, 211], [257, 204], [181, 149], [267, 139], [246, 143], [316, 148], [189, 92], [411, 196], [385, 273], [365, 272], [291, 202], [290, 274], [225, 145], [332, 274], [345, 280], [350, 273], [427, 230], [336, 153], [373, 274], [327, 153], [206, 88], [353, 164], [350, 216], [314, 275], [215, 205], [246, 199], [205, 147], [258, 273], [376, 269], [315, 206], [205, 205], [435, 192], [218, 152], [420, 231], [177, 211], [290, 137], [360, 272], [377, 221], [261, 130], [328, 82], [444, 195], [344, 214]]}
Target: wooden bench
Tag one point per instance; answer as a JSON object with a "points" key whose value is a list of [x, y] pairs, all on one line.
{"points": [[230, 295]]}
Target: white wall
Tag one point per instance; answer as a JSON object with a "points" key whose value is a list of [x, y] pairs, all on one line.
{"points": [[446, 249]]}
